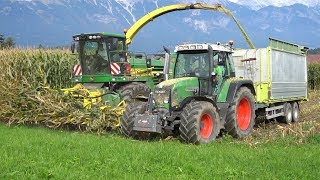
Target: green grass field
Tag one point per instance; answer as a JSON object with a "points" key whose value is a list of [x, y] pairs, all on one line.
{"points": [[32, 153]]}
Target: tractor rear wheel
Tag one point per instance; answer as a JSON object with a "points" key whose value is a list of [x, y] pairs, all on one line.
{"points": [[200, 123], [128, 115], [135, 90], [241, 116]]}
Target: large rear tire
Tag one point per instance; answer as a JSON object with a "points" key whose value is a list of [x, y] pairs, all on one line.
{"points": [[241, 116], [128, 116], [133, 91], [200, 123]]}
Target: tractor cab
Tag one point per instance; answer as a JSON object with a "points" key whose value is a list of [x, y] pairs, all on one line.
{"points": [[209, 63], [102, 53]]}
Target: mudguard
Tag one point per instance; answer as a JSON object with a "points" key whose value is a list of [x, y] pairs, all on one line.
{"points": [[235, 85]]}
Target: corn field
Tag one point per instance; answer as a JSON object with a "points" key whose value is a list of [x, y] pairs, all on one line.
{"points": [[27, 91], [314, 76]]}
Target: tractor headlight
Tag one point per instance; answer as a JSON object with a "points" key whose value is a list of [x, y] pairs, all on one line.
{"points": [[161, 95], [166, 100]]}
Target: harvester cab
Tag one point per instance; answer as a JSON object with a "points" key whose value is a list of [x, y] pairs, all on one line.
{"points": [[195, 102], [102, 53]]}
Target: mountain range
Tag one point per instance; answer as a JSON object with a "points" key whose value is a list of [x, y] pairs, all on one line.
{"points": [[53, 22]]}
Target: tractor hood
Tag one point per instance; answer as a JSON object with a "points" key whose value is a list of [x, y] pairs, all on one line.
{"points": [[172, 92]]}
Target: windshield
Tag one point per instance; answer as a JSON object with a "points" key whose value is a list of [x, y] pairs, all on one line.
{"points": [[96, 55], [192, 64]]}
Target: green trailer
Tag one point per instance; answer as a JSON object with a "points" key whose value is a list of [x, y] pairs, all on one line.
{"points": [[217, 89]]}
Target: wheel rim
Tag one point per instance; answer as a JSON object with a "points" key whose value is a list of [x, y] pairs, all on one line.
{"points": [[206, 125], [244, 114]]}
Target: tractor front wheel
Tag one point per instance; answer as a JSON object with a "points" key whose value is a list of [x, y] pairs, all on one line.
{"points": [[200, 123], [241, 115], [128, 116]]}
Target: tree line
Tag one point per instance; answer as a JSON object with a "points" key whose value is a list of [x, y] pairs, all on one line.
{"points": [[6, 43]]}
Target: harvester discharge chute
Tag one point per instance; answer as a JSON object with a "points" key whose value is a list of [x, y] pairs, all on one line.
{"points": [[111, 76]]}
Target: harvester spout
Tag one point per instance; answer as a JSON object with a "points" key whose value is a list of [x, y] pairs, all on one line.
{"points": [[131, 32]]}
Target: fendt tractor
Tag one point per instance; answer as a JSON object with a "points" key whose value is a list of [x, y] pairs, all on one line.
{"points": [[110, 75], [208, 95]]}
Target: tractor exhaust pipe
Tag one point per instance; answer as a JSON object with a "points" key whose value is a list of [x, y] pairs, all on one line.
{"points": [[166, 63]]}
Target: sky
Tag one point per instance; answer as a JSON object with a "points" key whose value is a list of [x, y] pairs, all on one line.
{"points": [[255, 4]]}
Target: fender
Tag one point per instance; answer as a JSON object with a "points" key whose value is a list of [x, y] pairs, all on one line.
{"points": [[235, 85], [198, 98]]}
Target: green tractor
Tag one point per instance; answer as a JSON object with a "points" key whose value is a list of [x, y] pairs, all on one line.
{"points": [[108, 75], [203, 98]]}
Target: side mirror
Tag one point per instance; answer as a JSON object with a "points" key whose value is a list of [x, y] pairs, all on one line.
{"points": [[73, 47], [148, 63]]}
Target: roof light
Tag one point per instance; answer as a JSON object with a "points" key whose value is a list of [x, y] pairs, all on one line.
{"points": [[192, 47], [199, 47]]}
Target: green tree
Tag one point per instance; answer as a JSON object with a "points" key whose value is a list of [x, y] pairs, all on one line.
{"points": [[6, 42], [10, 42]]}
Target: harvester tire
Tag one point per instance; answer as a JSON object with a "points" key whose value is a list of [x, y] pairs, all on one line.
{"points": [[200, 123], [241, 115], [127, 118], [287, 117], [295, 112], [133, 91]]}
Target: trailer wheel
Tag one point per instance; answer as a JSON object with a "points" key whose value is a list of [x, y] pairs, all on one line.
{"points": [[135, 90], [200, 123], [128, 115], [295, 112], [287, 118], [241, 115]]}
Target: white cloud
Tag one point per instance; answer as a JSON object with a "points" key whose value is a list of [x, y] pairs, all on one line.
{"points": [[201, 25], [195, 12]]}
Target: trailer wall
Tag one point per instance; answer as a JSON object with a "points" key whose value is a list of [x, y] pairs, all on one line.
{"points": [[278, 75]]}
